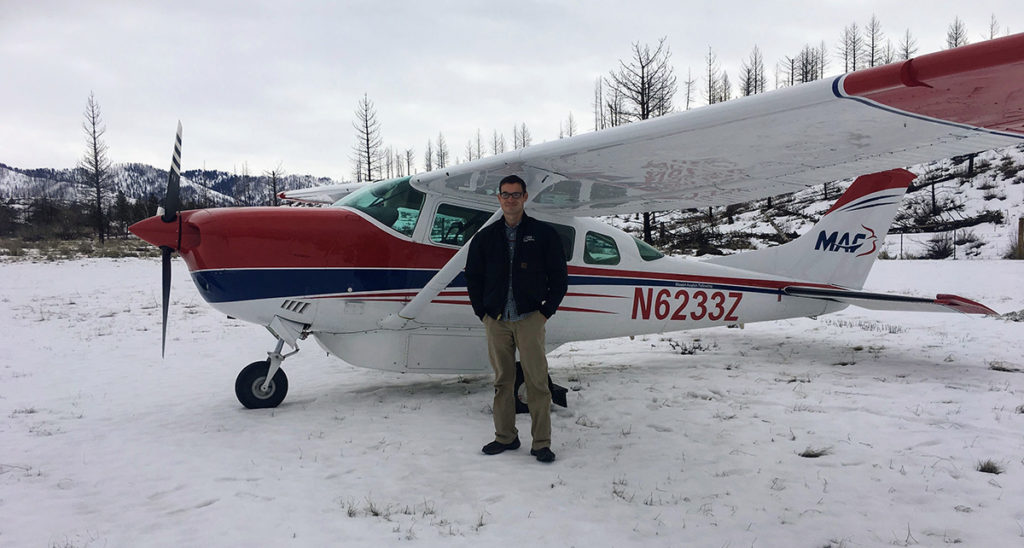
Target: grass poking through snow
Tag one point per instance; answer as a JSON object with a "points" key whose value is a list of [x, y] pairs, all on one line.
{"points": [[990, 467]]}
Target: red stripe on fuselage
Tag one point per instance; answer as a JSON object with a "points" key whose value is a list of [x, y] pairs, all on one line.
{"points": [[689, 278]]}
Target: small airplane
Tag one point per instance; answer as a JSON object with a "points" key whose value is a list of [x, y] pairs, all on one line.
{"points": [[376, 278]]}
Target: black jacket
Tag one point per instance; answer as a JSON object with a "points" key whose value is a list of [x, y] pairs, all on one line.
{"points": [[539, 274]]}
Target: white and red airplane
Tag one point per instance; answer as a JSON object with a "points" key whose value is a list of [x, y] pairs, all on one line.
{"points": [[376, 278]]}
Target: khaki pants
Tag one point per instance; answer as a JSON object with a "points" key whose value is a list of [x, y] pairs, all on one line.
{"points": [[503, 338]]}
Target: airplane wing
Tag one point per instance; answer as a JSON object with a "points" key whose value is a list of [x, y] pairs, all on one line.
{"points": [[884, 301], [932, 107], [320, 195]]}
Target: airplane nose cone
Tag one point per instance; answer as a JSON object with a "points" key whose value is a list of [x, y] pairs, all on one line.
{"points": [[178, 234]]}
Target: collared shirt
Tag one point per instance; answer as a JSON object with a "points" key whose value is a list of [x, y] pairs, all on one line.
{"points": [[510, 314]]}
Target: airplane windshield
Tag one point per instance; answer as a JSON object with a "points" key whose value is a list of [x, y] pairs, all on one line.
{"points": [[395, 203]]}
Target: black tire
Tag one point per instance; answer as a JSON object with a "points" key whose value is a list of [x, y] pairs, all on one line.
{"points": [[249, 381]]}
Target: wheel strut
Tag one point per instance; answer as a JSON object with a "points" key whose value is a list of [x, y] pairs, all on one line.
{"points": [[275, 359]]}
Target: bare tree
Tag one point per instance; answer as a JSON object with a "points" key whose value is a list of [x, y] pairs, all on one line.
{"points": [[246, 189], [615, 104], [789, 69], [387, 158], [851, 47], [809, 66], [357, 170], [600, 119], [888, 53], [712, 77], [410, 158], [688, 88], [956, 34], [752, 79], [569, 129], [647, 83], [367, 149], [399, 159], [521, 136], [873, 41], [497, 143], [441, 154], [275, 178], [908, 46], [993, 27], [724, 88], [94, 165], [478, 145], [822, 59], [428, 157]]}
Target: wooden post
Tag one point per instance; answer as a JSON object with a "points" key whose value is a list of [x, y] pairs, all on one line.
{"points": [[1020, 238]]}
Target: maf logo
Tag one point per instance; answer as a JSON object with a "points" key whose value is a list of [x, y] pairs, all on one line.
{"points": [[847, 242]]}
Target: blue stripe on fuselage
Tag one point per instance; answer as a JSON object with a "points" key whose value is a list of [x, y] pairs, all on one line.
{"points": [[218, 286]]}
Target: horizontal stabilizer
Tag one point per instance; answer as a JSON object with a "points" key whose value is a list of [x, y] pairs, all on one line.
{"points": [[883, 301]]}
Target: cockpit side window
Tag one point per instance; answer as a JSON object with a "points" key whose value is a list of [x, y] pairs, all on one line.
{"points": [[455, 225], [394, 203], [600, 249], [568, 235]]}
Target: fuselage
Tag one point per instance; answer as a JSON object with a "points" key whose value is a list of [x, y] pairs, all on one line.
{"points": [[338, 271]]}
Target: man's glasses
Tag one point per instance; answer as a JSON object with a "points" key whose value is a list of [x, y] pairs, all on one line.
{"points": [[510, 195]]}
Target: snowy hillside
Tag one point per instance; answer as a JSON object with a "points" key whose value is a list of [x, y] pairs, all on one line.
{"points": [[139, 182]]}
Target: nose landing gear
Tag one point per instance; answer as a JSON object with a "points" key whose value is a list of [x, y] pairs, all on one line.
{"points": [[263, 384]]}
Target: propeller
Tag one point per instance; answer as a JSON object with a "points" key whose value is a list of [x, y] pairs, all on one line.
{"points": [[169, 214]]}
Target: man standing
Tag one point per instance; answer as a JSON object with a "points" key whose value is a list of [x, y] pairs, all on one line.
{"points": [[516, 277]]}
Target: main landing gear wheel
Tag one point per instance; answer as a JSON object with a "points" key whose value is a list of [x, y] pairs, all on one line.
{"points": [[558, 393], [249, 386]]}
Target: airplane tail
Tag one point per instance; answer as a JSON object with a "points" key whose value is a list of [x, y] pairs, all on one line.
{"points": [[841, 248]]}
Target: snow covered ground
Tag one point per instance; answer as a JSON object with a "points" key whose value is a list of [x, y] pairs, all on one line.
{"points": [[102, 443]]}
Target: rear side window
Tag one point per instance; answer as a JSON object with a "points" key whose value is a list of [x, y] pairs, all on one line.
{"points": [[647, 252], [600, 249], [454, 225]]}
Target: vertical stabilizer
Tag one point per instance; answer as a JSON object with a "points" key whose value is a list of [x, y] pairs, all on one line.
{"points": [[841, 248]]}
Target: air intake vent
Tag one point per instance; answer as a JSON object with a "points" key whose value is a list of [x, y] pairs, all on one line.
{"points": [[298, 307]]}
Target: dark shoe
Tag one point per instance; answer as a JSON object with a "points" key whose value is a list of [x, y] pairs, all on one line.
{"points": [[544, 454], [496, 447]]}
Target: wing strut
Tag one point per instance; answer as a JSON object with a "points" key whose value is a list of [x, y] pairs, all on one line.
{"points": [[434, 287]]}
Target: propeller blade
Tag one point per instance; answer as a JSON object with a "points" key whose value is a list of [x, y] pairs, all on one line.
{"points": [[169, 214], [172, 200], [166, 253]]}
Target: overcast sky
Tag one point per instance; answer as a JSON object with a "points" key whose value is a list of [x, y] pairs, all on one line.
{"points": [[267, 83]]}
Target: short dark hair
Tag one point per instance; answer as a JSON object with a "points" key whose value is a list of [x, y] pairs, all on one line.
{"points": [[512, 180]]}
